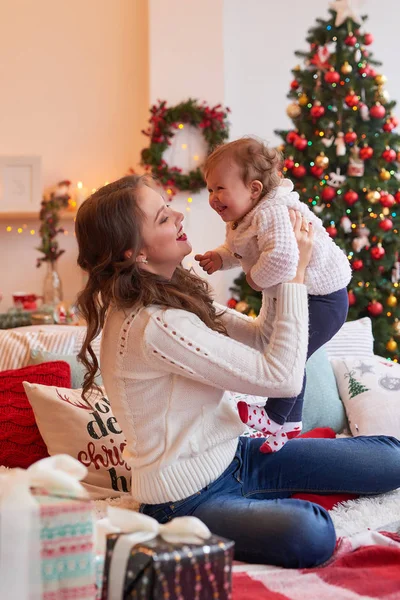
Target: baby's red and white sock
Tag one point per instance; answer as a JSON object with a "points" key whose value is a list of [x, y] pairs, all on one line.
{"points": [[257, 418], [277, 440]]}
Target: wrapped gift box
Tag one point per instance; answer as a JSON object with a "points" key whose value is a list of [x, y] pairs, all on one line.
{"points": [[46, 538], [157, 570], [66, 533]]}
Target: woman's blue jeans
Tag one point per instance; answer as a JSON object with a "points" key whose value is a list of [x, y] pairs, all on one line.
{"points": [[250, 502]]}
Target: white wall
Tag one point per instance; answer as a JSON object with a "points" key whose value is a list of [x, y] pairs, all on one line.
{"points": [[74, 90]]}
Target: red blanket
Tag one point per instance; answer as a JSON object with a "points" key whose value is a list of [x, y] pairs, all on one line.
{"points": [[365, 567]]}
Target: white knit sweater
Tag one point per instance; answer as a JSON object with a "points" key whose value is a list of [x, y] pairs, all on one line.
{"points": [[265, 246], [166, 373]]}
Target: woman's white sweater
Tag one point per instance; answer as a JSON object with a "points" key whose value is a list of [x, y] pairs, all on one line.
{"points": [[166, 375]]}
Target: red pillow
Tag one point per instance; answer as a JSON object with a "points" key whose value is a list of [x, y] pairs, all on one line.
{"points": [[327, 501], [20, 441]]}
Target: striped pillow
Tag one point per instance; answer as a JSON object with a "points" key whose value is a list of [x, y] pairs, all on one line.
{"points": [[16, 344], [355, 338]]}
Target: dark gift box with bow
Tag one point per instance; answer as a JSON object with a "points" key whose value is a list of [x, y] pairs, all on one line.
{"points": [[177, 561]]}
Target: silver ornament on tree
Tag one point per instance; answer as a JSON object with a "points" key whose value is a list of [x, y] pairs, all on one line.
{"points": [[362, 239], [396, 269], [336, 180], [345, 224], [340, 144]]}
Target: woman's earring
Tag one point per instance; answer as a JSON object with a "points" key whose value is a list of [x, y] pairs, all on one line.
{"points": [[142, 260]]}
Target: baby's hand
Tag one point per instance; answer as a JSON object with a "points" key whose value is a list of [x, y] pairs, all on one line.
{"points": [[209, 262], [251, 283]]}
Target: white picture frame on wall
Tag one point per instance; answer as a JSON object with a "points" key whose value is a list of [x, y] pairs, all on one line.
{"points": [[20, 184]]}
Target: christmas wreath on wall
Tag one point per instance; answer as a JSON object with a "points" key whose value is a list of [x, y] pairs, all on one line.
{"points": [[164, 122]]}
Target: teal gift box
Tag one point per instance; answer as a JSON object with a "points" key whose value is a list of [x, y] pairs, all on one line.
{"points": [[46, 533]]}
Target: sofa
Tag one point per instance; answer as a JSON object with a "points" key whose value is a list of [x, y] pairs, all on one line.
{"points": [[42, 412]]}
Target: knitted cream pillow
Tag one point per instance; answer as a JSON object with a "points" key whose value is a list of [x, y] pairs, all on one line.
{"points": [[90, 434]]}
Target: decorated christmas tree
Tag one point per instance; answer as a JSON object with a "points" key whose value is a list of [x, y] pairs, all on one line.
{"points": [[342, 153]]}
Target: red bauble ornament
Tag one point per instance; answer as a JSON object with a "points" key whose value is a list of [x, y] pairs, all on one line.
{"points": [[332, 76], [291, 137], [332, 231], [329, 193], [377, 252], [317, 171], [364, 70], [300, 143], [372, 73], [352, 298], [350, 137], [358, 265], [317, 111], [288, 163], [350, 40], [395, 121], [386, 224], [397, 197], [294, 85], [298, 172], [352, 99], [388, 126], [377, 111], [375, 308], [387, 200], [350, 197], [381, 269], [231, 303], [366, 152], [389, 155], [368, 39]]}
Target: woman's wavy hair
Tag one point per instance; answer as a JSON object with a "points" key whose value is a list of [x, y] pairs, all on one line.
{"points": [[108, 224]]}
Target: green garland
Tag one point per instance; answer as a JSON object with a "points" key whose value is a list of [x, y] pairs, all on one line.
{"points": [[164, 122], [50, 218]]}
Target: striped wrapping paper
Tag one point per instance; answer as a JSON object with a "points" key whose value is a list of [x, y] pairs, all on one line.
{"points": [[67, 537]]}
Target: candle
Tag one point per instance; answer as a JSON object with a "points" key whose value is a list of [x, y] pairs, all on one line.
{"points": [[81, 193]]}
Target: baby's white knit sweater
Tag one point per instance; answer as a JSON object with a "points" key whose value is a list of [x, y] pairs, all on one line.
{"points": [[265, 246], [165, 374]]}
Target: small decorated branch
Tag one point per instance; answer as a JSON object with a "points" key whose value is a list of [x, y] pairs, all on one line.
{"points": [[50, 218]]}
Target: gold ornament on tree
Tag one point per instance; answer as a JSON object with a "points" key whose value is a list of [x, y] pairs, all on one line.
{"points": [[384, 175], [322, 161], [242, 306], [391, 345], [303, 100], [391, 301], [380, 79], [346, 68], [396, 328], [373, 197], [293, 110]]}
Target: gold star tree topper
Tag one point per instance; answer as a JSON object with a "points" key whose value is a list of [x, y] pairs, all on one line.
{"points": [[346, 9]]}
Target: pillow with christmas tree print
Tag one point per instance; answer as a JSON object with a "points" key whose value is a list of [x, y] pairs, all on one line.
{"points": [[370, 390], [88, 431]]}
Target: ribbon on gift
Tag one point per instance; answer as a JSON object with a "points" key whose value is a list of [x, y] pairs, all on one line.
{"points": [[140, 529], [20, 550]]}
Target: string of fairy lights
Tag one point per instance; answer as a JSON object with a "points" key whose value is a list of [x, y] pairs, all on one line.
{"points": [[81, 193]]}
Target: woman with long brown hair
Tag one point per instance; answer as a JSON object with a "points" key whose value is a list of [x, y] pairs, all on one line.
{"points": [[169, 354]]}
